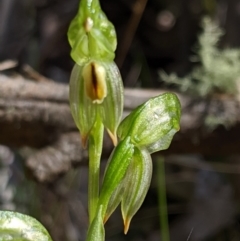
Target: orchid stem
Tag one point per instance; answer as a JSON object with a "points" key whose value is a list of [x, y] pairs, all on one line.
{"points": [[162, 199], [95, 151]]}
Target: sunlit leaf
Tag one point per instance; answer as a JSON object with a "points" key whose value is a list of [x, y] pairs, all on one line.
{"points": [[153, 124], [20, 227]]}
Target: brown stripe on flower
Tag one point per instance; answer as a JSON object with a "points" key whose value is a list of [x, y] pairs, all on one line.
{"points": [[94, 76]]}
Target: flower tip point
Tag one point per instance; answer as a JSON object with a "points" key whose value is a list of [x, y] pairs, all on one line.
{"points": [[126, 225], [113, 137], [84, 141], [105, 219]]}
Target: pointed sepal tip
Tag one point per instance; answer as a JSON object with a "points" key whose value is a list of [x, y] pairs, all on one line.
{"points": [[127, 222]]}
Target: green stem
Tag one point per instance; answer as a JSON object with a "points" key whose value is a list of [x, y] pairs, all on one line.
{"points": [[95, 151], [162, 199]]}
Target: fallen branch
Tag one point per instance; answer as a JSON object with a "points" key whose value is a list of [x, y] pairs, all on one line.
{"points": [[37, 114]]}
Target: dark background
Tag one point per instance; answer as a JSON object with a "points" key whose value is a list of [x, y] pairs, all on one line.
{"points": [[203, 193], [162, 36]]}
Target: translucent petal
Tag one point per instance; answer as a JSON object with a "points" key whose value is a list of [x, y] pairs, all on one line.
{"points": [[115, 171], [91, 22], [114, 201], [154, 123], [82, 108], [136, 184], [112, 106]]}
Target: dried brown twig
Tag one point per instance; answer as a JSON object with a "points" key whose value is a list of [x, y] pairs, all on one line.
{"points": [[36, 114]]}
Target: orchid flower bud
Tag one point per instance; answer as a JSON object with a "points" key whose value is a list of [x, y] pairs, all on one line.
{"points": [[91, 35], [96, 89], [153, 124]]}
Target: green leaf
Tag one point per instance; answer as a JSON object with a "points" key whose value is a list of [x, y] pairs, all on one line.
{"points": [[153, 124], [136, 184], [91, 35], [20, 227], [115, 171]]}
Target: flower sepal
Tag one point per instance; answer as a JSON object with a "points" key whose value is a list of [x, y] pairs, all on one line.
{"points": [[91, 35], [153, 124], [96, 89]]}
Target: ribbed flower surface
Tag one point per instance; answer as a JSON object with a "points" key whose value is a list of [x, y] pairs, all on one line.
{"points": [[96, 88]]}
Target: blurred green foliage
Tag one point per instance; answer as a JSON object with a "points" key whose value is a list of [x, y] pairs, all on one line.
{"points": [[218, 70]]}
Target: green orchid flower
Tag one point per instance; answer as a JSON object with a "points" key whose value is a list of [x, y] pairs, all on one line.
{"points": [[96, 89], [153, 124], [96, 101], [91, 35], [149, 128], [133, 189]]}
